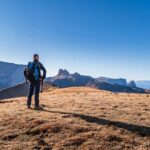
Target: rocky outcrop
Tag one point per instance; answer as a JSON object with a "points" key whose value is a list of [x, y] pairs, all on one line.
{"points": [[65, 79], [63, 72], [132, 84]]}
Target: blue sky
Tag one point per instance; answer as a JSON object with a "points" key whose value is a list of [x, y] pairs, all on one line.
{"points": [[95, 37]]}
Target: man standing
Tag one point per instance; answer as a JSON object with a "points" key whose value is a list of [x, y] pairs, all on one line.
{"points": [[33, 74]]}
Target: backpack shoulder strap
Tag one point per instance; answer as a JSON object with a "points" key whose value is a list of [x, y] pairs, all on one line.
{"points": [[37, 69], [38, 63]]}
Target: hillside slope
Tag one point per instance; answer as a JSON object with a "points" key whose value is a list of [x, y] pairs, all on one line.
{"points": [[77, 118], [22, 90], [114, 87]]}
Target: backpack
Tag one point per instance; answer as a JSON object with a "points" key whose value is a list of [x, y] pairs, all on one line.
{"points": [[32, 72]]}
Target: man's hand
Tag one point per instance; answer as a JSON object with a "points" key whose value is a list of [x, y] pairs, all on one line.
{"points": [[41, 79]]}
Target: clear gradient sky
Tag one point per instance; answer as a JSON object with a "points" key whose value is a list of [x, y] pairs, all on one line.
{"points": [[94, 37]]}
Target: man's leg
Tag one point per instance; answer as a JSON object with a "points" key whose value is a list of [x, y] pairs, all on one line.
{"points": [[31, 90], [37, 91]]}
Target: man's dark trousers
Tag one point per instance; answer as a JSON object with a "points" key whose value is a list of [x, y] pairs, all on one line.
{"points": [[34, 86]]}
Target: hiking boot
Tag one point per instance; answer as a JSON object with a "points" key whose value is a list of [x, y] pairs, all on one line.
{"points": [[38, 108], [29, 107]]}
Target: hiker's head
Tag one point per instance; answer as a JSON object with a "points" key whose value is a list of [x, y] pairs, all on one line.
{"points": [[36, 57]]}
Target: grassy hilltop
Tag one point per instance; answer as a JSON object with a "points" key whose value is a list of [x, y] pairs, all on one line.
{"points": [[77, 118]]}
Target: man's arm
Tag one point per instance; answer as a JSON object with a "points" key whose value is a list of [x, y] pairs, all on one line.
{"points": [[44, 70]]}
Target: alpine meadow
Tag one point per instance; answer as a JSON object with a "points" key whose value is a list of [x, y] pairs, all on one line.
{"points": [[74, 75]]}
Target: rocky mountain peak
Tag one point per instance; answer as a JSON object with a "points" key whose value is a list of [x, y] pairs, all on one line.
{"points": [[76, 74], [63, 72], [132, 83]]}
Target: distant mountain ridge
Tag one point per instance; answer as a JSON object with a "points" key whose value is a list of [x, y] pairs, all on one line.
{"points": [[143, 84], [65, 79], [10, 74], [114, 87], [119, 81]]}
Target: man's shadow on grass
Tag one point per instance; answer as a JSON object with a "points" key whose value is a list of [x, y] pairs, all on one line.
{"points": [[140, 130]]}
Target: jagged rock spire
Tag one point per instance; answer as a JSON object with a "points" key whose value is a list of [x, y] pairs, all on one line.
{"points": [[63, 72]]}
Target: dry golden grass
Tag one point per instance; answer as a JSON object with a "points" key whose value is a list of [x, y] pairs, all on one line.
{"points": [[77, 119]]}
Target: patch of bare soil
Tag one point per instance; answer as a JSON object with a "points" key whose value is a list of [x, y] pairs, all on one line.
{"points": [[77, 119]]}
